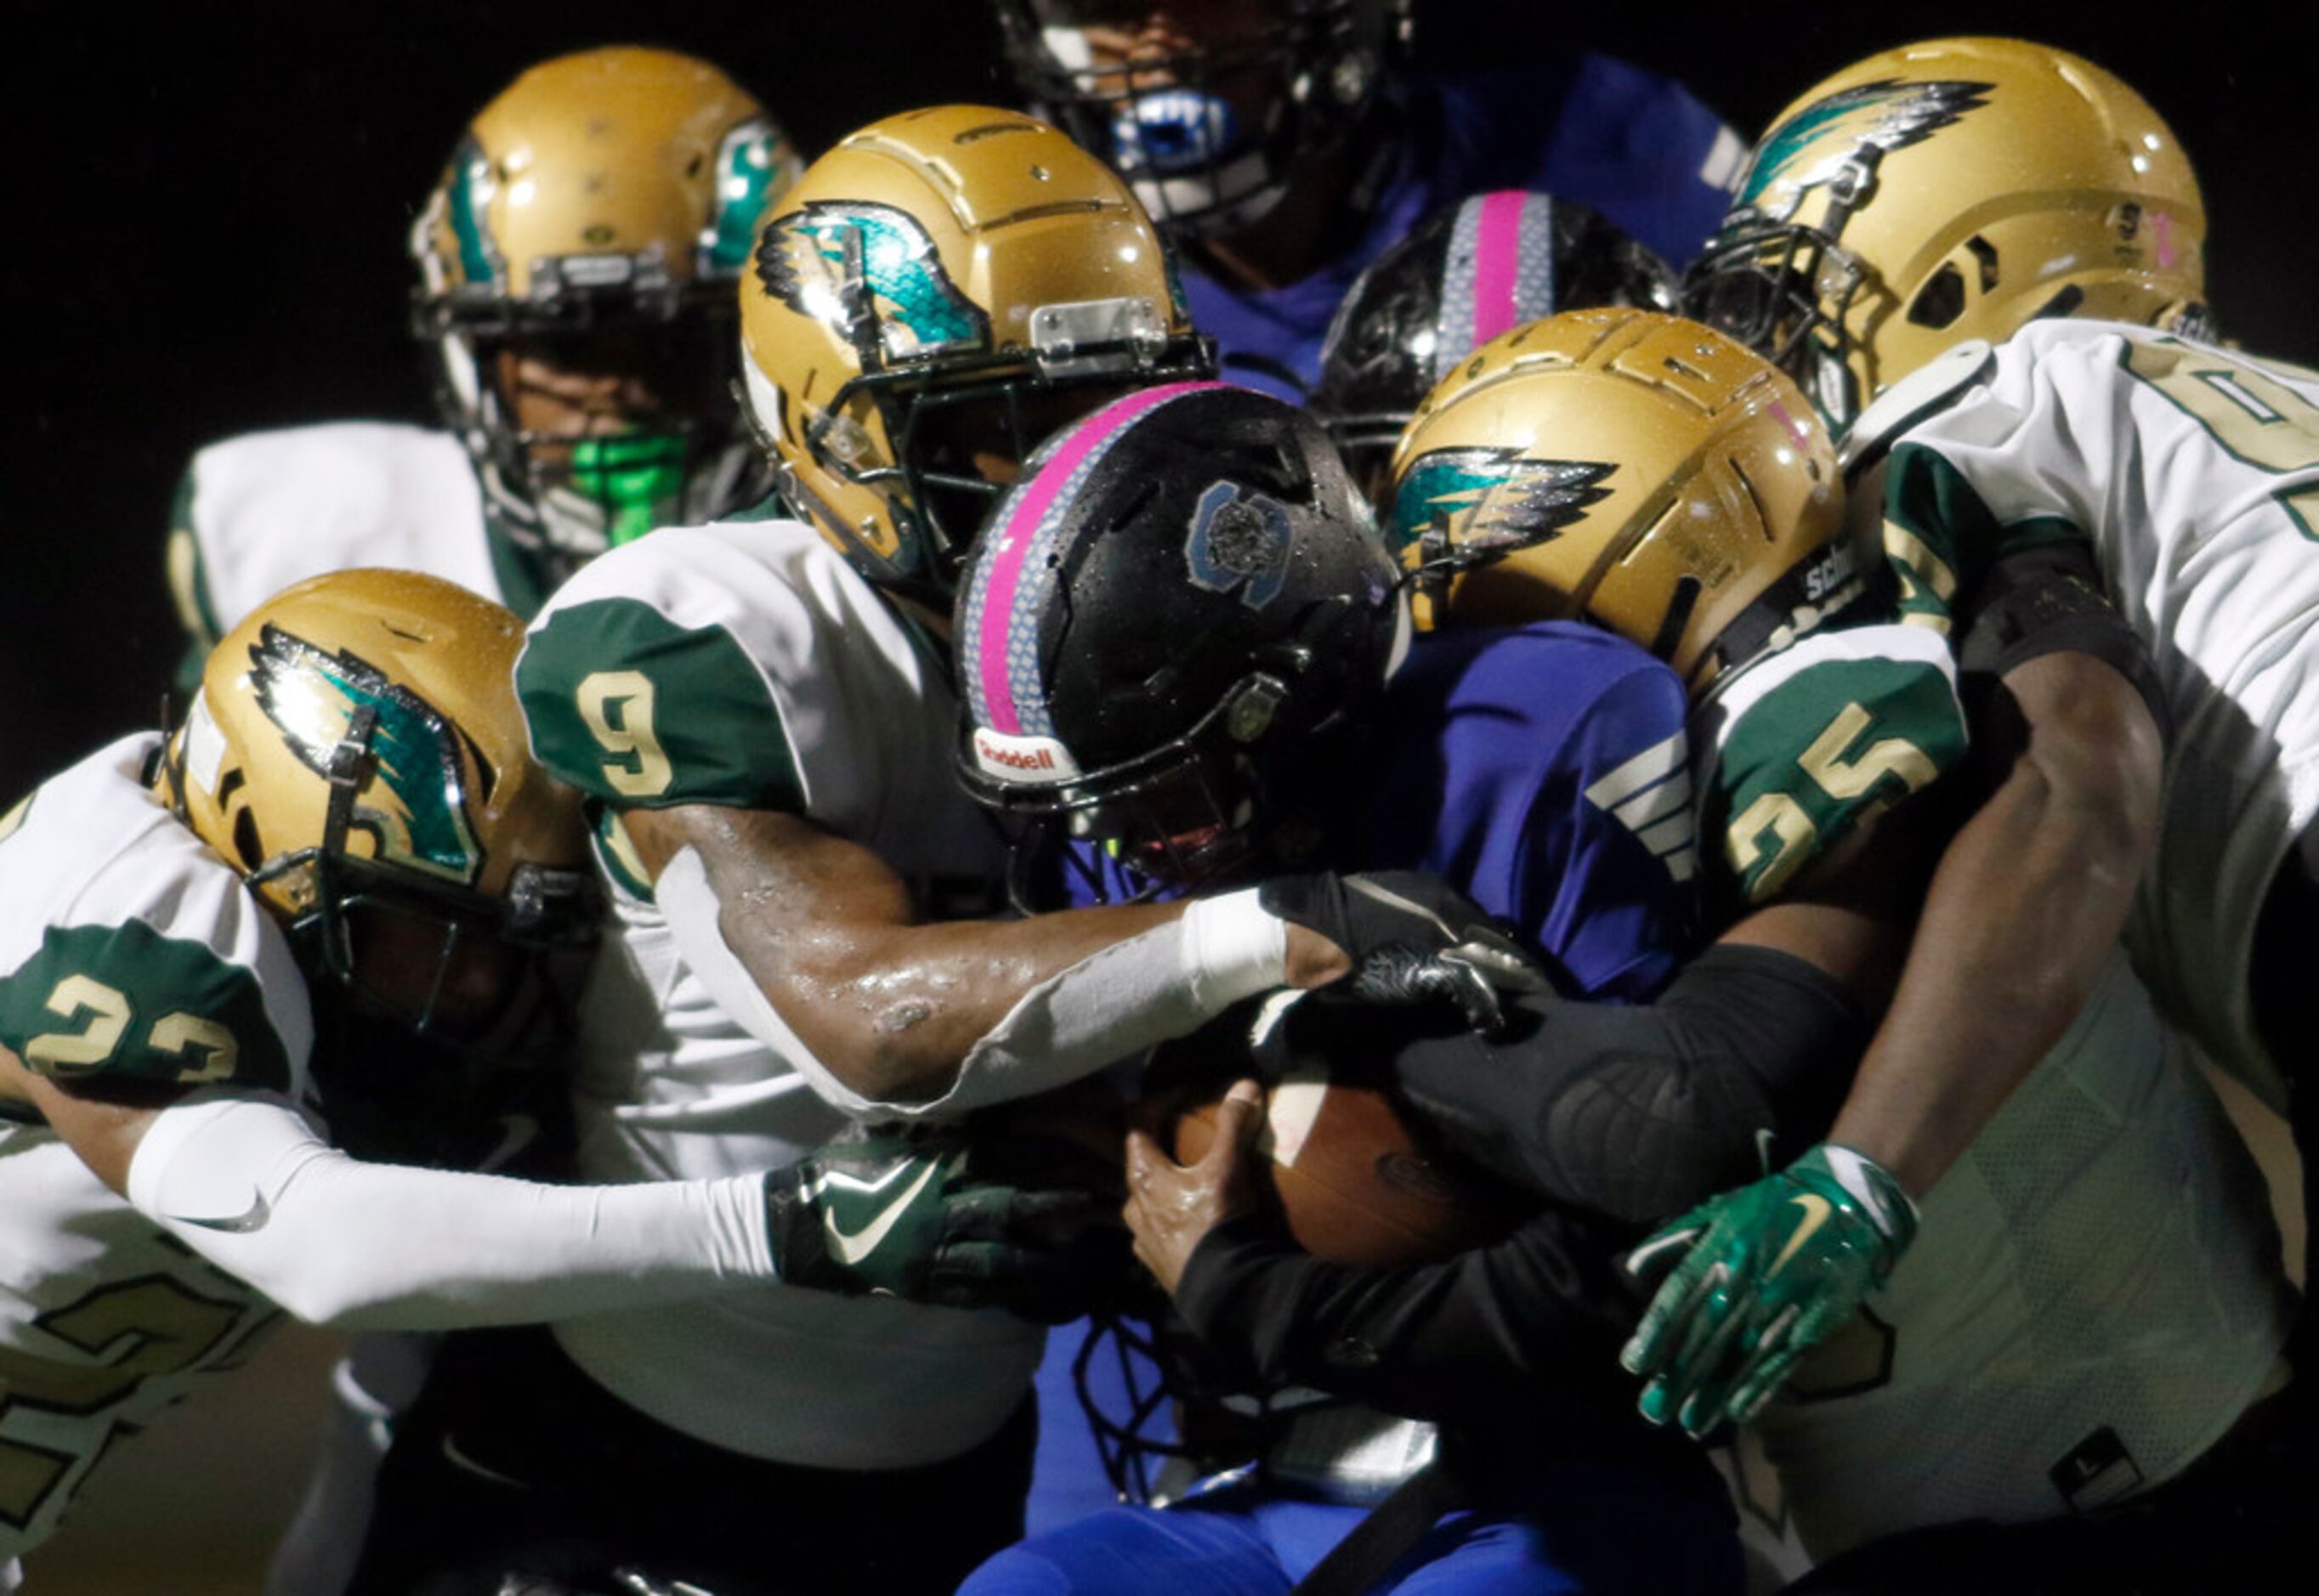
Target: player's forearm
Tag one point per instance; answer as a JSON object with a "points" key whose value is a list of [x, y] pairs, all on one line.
{"points": [[248, 1184], [893, 1010], [935, 1020], [1639, 1113], [1462, 1340], [2023, 911]]}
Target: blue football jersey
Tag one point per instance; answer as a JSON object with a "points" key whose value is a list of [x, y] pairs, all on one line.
{"points": [[1541, 770], [1544, 771], [1589, 128]]}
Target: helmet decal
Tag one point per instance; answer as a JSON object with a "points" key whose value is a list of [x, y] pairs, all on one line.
{"points": [[1493, 500], [865, 267], [1239, 541], [468, 192], [999, 620], [417, 814], [1838, 132], [752, 162]]}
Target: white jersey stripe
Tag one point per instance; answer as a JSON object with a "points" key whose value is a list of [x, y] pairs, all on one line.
{"points": [[1654, 763]]}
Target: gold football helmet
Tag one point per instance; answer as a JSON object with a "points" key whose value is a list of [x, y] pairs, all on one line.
{"points": [[1945, 191], [1628, 468], [939, 292], [596, 216], [357, 753]]}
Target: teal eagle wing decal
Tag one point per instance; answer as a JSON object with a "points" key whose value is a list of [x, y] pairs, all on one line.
{"points": [[1815, 145], [1491, 501], [414, 807], [870, 272]]}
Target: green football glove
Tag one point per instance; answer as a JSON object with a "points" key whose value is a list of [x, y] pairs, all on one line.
{"points": [[1027, 1223], [1760, 1276]]}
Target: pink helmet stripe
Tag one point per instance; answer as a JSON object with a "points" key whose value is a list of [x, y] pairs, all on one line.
{"points": [[1497, 263], [1013, 541]]}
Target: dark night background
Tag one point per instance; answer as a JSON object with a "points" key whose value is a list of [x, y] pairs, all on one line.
{"points": [[206, 209]]}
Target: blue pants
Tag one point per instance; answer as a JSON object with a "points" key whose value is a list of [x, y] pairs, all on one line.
{"points": [[1580, 1527]]}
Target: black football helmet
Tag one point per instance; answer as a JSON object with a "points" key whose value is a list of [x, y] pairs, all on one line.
{"points": [[1206, 109], [1181, 593], [1464, 276]]}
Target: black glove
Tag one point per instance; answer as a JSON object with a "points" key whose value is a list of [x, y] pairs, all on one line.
{"points": [[1411, 938], [1027, 1223]]}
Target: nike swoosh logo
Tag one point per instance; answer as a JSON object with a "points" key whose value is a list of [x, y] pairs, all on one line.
{"points": [[460, 1460], [1816, 1212], [853, 1248], [517, 1132], [252, 1218]]}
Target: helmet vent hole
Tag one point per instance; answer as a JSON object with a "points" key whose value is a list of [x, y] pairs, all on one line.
{"points": [[1762, 514], [245, 844], [692, 167], [1940, 302], [1984, 255], [1677, 617], [483, 767]]}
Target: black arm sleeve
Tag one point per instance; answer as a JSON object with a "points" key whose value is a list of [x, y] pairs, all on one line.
{"points": [[1542, 1310], [1638, 1113], [2049, 600]]}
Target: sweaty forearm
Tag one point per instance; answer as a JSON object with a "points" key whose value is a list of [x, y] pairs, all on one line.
{"points": [[2023, 911], [935, 1020], [1639, 1113], [248, 1185]]}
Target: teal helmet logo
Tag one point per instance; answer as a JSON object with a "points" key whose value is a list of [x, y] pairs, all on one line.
{"points": [[870, 272], [1851, 128], [414, 807], [754, 163], [1482, 503], [468, 195]]}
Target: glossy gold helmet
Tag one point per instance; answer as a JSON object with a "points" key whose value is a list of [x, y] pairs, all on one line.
{"points": [[938, 293], [1628, 468], [357, 753], [1952, 190], [596, 216]]}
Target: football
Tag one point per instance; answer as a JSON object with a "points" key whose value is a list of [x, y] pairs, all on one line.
{"points": [[1355, 1186]]}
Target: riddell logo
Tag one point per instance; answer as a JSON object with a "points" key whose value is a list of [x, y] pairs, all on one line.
{"points": [[1002, 756]]}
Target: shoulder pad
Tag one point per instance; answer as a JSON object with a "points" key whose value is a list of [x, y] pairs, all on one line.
{"points": [[129, 949], [1930, 387]]}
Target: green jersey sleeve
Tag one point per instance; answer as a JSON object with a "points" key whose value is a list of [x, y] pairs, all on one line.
{"points": [[1940, 535], [130, 1003], [1812, 741], [651, 680]]}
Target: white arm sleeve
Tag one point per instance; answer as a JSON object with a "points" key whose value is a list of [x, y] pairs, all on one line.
{"points": [[245, 1181], [1113, 1005]]}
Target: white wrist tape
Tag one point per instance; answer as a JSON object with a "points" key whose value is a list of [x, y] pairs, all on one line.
{"points": [[244, 1180]]}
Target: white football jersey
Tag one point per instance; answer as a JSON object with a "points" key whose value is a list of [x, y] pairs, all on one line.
{"points": [[2094, 1296], [744, 664], [262, 511], [2192, 473], [127, 950]]}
